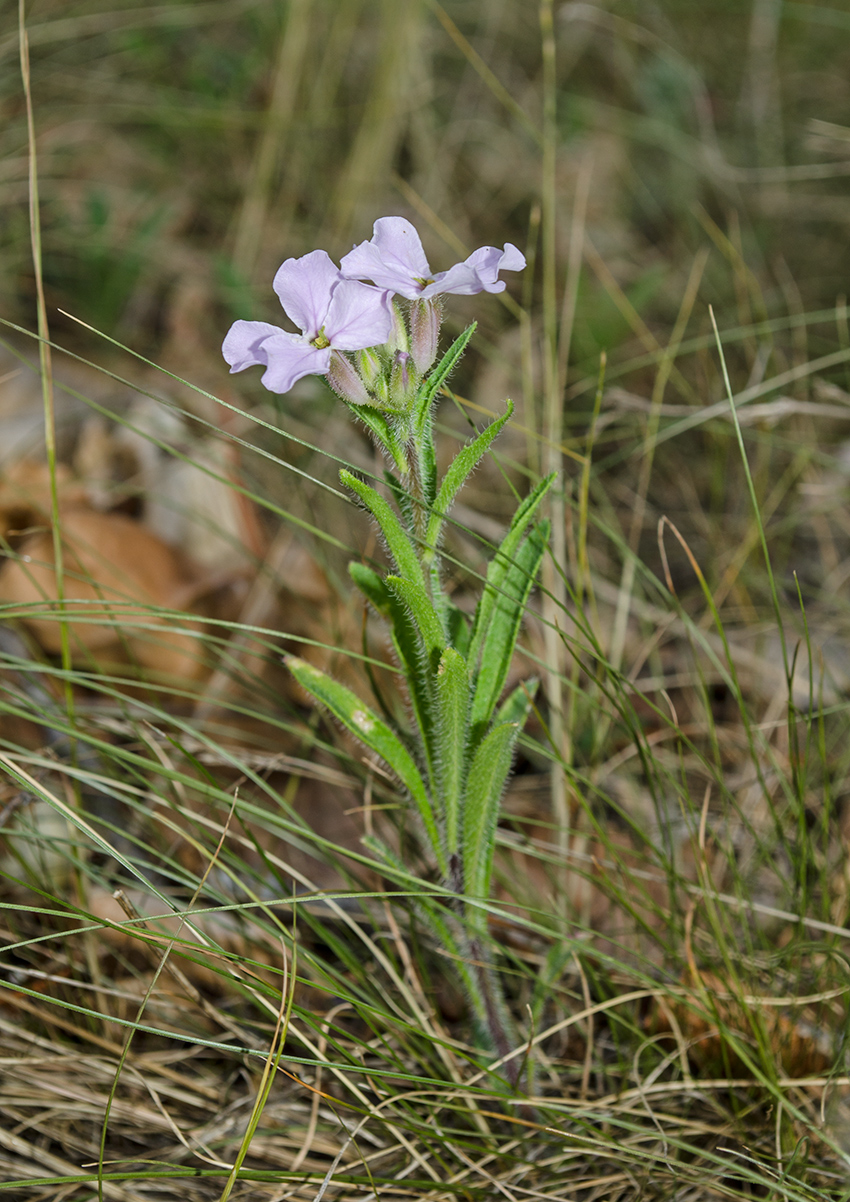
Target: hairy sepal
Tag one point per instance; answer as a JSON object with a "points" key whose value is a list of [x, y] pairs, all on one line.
{"points": [[366, 726]]}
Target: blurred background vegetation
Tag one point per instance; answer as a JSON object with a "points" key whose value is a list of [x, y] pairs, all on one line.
{"points": [[186, 149], [189, 148]]}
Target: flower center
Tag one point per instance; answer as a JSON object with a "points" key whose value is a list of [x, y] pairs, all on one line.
{"points": [[321, 341]]}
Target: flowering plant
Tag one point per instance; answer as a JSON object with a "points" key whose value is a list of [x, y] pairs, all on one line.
{"points": [[454, 757]]}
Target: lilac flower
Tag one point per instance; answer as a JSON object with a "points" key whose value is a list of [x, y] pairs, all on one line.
{"points": [[333, 314], [394, 259]]}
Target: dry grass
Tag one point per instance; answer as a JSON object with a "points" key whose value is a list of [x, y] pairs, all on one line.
{"points": [[672, 891]]}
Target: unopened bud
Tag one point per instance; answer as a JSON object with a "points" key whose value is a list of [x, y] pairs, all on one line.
{"points": [[425, 317], [369, 366], [398, 340], [403, 379], [345, 381]]}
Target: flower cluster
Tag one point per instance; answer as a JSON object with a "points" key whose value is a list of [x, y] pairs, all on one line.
{"points": [[337, 312]]}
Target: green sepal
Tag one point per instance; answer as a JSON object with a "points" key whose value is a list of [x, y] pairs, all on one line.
{"points": [[430, 386], [517, 705], [422, 611], [488, 774], [398, 541], [366, 726], [503, 628], [452, 706], [501, 563], [383, 431], [459, 469]]}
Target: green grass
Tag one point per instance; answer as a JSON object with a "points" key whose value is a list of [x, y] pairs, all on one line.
{"points": [[260, 1011]]}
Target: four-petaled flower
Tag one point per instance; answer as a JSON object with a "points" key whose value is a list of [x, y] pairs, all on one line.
{"points": [[333, 314], [394, 259]]}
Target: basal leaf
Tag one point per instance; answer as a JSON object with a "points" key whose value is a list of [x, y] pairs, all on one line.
{"points": [[366, 726], [460, 467], [488, 774], [503, 628]]}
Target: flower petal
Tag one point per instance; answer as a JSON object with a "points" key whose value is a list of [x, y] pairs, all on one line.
{"points": [[392, 259], [359, 316], [478, 273], [304, 286], [289, 358], [243, 344]]}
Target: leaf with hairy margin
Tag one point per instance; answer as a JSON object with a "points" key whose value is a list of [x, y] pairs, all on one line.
{"points": [[366, 726]]}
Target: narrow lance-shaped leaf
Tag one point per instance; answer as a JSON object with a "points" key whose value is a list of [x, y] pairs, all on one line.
{"points": [[401, 548], [423, 614], [488, 774], [366, 726], [503, 629], [452, 711], [501, 564], [460, 467], [517, 704], [383, 433], [408, 649], [429, 387]]}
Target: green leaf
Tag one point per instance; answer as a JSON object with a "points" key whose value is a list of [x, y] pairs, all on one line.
{"points": [[366, 726], [428, 466], [501, 563], [383, 432], [459, 628], [404, 502], [430, 386], [452, 697], [517, 704], [422, 611], [491, 766], [372, 586], [407, 648], [459, 469], [503, 628], [399, 543]]}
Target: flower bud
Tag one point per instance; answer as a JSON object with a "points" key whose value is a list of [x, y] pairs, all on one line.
{"points": [[369, 366], [398, 340], [403, 379], [425, 316], [345, 381]]}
